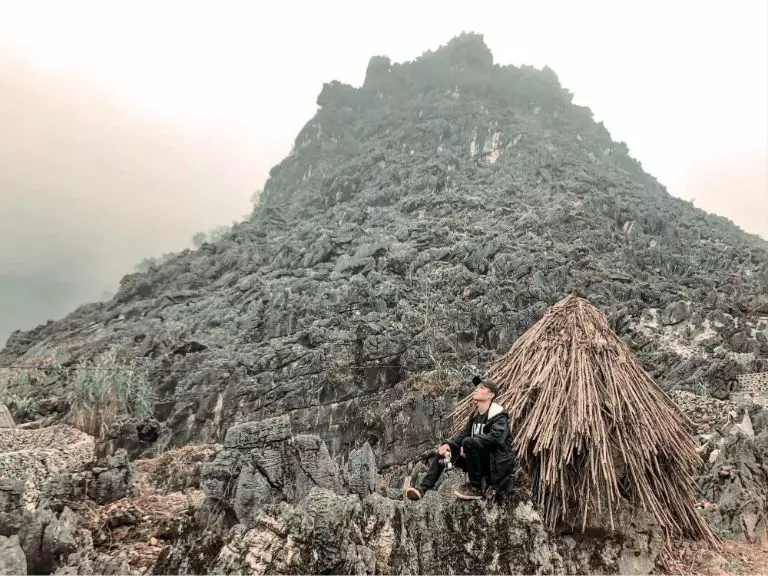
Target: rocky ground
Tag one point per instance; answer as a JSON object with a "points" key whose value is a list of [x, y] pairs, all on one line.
{"points": [[269, 501], [420, 225]]}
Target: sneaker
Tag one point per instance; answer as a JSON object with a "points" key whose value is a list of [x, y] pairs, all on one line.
{"points": [[469, 492], [413, 494]]}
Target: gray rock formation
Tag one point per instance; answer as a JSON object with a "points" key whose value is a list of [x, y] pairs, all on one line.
{"points": [[330, 533], [12, 560], [11, 506], [737, 481], [359, 473], [733, 484], [48, 539], [44, 527], [103, 480], [263, 463], [290, 514]]}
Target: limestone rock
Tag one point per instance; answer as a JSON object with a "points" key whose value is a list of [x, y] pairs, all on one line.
{"points": [[113, 478], [262, 463], [12, 560], [59, 535], [360, 474], [740, 494], [37, 456], [6, 418], [676, 312], [11, 506], [324, 530]]}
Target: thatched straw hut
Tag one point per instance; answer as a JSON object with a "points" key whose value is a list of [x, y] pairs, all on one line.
{"points": [[585, 417]]}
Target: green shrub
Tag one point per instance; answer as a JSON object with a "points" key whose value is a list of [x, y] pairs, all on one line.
{"points": [[21, 384], [101, 392], [16, 387]]}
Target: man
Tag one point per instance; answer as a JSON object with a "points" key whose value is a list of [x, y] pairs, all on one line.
{"points": [[483, 449]]}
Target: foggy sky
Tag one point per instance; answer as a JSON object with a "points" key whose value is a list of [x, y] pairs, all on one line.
{"points": [[90, 186], [129, 126]]}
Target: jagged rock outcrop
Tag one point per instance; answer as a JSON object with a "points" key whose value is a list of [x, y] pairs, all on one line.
{"points": [[733, 483], [12, 560], [737, 481], [360, 473], [263, 463], [329, 533], [275, 505], [278, 503], [47, 476], [11, 506], [270, 499], [37, 456]]}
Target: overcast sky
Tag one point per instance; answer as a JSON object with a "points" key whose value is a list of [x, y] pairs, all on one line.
{"points": [[139, 123]]}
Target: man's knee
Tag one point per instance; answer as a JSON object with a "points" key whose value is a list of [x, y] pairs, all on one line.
{"points": [[471, 444]]}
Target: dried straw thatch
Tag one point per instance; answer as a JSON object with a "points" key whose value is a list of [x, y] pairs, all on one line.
{"points": [[583, 412]]}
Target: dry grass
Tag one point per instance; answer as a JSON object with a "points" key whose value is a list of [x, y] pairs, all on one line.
{"points": [[158, 509], [734, 559], [177, 469], [17, 386], [583, 412], [423, 384]]}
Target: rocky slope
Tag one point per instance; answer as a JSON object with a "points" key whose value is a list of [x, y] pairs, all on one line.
{"points": [[421, 223], [268, 501]]}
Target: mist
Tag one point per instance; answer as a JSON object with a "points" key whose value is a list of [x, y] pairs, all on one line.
{"points": [[90, 186], [734, 187]]}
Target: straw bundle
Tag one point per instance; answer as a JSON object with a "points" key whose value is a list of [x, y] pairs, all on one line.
{"points": [[582, 412]]}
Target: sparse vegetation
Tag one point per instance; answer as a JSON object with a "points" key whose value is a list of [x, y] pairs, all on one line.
{"points": [[16, 390], [102, 391], [443, 376], [214, 235], [701, 389], [18, 384], [152, 262], [724, 532]]}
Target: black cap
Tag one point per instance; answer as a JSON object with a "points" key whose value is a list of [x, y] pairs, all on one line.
{"points": [[486, 383]]}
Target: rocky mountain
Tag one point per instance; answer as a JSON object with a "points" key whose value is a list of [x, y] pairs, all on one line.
{"points": [[420, 224], [254, 405]]}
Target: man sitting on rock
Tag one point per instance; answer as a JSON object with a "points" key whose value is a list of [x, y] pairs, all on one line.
{"points": [[483, 449]]}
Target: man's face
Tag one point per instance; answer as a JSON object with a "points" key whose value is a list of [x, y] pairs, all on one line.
{"points": [[481, 394]]}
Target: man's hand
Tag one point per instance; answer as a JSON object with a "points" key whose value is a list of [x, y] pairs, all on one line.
{"points": [[443, 449]]}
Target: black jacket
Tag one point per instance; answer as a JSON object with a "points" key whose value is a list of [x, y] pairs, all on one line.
{"points": [[496, 437]]}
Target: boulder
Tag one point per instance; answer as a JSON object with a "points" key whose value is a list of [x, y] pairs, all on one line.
{"points": [[37, 456], [263, 463], [11, 506], [359, 472], [12, 560], [737, 483], [675, 313]]}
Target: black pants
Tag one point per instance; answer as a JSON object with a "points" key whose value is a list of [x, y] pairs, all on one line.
{"points": [[476, 462]]}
